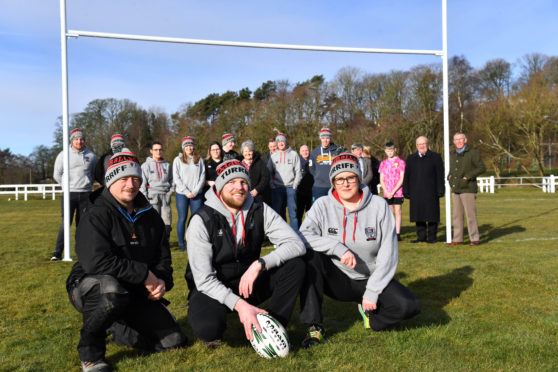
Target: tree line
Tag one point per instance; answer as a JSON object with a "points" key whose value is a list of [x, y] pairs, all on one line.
{"points": [[510, 112]]}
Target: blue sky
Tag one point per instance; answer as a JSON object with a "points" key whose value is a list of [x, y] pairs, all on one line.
{"points": [[169, 75]]}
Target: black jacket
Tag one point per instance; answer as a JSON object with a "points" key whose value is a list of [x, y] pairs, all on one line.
{"points": [[229, 260], [305, 186], [259, 177], [101, 167], [423, 184], [111, 242]]}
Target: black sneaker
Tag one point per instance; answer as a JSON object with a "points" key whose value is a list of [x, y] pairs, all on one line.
{"points": [[55, 258], [98, 366], [212, 344], [314, 336]]}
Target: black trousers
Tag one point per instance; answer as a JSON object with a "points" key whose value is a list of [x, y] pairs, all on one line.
{"points": [[208, 317], [426, 231], [303, 204], [395, 303], [135, 321], [79, 201]]}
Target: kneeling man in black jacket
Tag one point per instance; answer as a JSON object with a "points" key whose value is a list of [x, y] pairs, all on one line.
{"points": [[123, 269]]}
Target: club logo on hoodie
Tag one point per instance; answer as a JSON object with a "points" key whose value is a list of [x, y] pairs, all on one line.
{"points": [[370, 233]]}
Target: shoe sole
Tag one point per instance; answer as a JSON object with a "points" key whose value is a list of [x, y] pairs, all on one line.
{"points": [[364, 317]]}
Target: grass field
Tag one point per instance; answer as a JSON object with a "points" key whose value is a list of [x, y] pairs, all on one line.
{"points": [[493, 307]]}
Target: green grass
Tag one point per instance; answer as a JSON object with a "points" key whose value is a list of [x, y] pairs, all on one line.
{"points": [[493, 307]]}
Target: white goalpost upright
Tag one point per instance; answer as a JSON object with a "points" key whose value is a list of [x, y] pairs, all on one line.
{"points": [[65, 34]]}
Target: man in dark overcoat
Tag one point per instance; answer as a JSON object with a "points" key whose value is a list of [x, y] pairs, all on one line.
{"points": [[424, 185]]}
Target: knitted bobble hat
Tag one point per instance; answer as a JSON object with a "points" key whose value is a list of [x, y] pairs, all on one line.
{"points": [[122, 164], [344, 162], [229, 170]]}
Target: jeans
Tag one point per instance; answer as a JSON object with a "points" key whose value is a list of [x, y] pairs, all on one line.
{"points": [[182, 203], [285, 196]]}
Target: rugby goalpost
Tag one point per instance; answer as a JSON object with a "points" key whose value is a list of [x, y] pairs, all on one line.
{"points": [[65, 34]]}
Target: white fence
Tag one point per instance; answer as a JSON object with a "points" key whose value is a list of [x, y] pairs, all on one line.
{"points": [[17, 190], [488, 184]]}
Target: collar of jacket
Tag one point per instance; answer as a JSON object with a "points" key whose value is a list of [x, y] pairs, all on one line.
{"points": [[465, 149], [426, 154], [140, 203]]}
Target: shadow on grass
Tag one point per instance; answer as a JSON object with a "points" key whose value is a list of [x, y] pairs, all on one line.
{"points": [[435, 293], [493, 233], [410, 232]]}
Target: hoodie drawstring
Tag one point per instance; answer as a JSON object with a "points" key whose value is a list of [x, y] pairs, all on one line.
{"points": [[345, 224], [234, 229]]}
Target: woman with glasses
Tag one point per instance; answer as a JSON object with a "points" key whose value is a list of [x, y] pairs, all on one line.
{"points": [[352, 255], [212, 160], [188, 171]]}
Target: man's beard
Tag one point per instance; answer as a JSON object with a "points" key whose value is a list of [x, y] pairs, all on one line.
{"points": [[234, 202]]}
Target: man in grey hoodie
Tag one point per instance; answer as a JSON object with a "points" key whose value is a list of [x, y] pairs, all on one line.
{"points": [[285, 176], [157, 183], [225, 272], [352, 254], [82, 167]]}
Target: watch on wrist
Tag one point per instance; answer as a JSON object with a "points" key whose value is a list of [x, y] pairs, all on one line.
{"points": [[262, 262]]}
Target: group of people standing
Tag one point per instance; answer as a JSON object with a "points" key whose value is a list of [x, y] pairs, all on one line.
{"points": [[345, 247]]}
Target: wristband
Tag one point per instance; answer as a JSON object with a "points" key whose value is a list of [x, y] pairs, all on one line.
{"points": [[262, 262]]}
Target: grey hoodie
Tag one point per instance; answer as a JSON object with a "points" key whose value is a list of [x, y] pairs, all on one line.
{"points": [[188, 177], [82, 168], [368, 231], [200, 253], [284, 169], [157, 175]]}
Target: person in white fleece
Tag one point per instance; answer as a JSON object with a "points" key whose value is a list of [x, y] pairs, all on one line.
{"points": [[352, 254], [225, 271]]}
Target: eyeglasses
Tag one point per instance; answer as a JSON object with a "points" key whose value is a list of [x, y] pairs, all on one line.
{"points": [[350, 180]]}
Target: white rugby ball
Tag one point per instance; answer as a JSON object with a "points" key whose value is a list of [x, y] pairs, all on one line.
{"points": [[272, 341]]}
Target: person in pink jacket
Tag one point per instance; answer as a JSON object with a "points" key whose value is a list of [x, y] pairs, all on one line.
{"points": [[391, 172]]}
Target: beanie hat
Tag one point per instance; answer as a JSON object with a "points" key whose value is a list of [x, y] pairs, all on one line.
{"points": [[344, 162], [229, 170], [116, 142], [187, 141], [75, 134], [281, 137], [226, 138], [123, 164], [325, 132]]}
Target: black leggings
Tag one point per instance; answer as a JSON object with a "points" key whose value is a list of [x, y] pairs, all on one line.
{"points": [[395, 303]]}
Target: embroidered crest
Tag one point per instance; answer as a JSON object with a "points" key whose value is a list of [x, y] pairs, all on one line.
{"points": [[370, 233], [220, 232], [332, 231]]}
